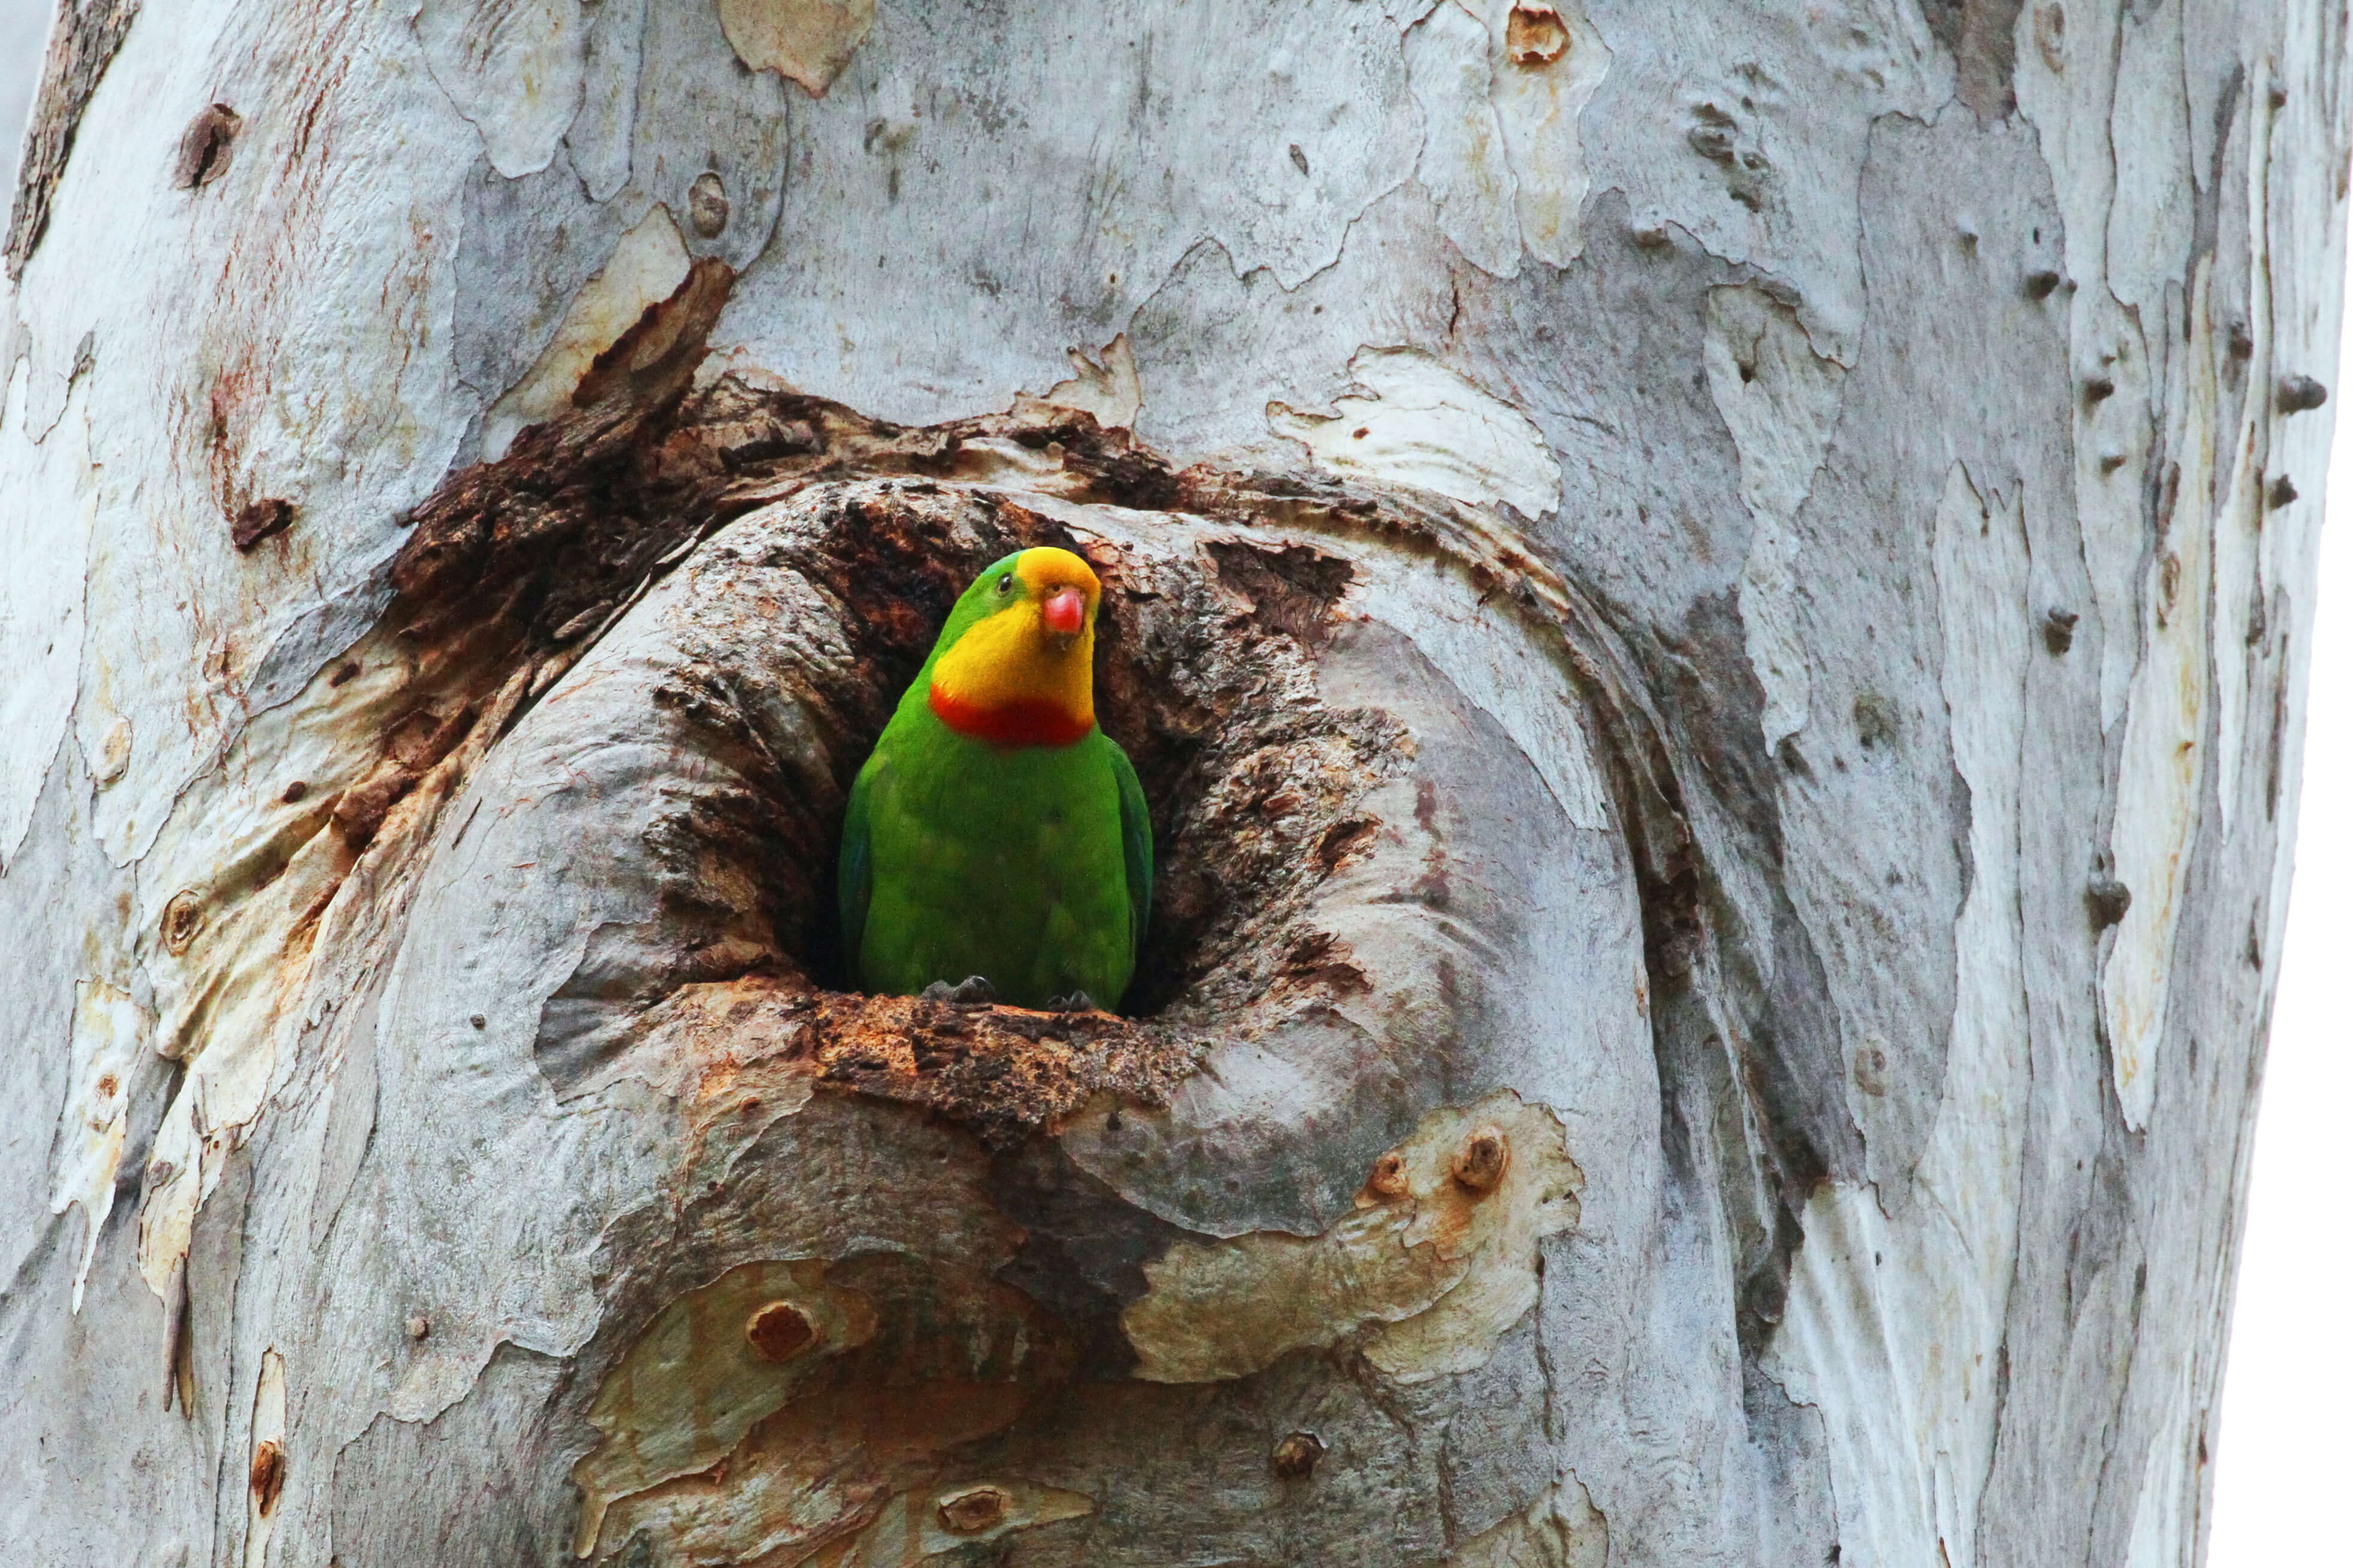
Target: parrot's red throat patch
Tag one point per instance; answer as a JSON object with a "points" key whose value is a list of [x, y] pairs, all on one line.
{"points": [[1014, 721]]}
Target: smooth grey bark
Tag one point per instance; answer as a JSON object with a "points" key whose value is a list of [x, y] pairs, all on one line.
{"points": [[1712, 602]]}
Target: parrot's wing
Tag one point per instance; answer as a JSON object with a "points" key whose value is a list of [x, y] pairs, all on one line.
{"points": [[857, 872], [1135, 838]]}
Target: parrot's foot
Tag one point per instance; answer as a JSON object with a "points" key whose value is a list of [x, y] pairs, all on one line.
{"points": [[972, 988], [1076, 1002]]}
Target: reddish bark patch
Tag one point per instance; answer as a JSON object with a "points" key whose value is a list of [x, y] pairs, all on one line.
{"points": [[1535, 35], [267, 1477], [1003, 1072]]}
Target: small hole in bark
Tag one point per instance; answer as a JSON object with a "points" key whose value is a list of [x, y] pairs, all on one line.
{"points": [[294, 792], [2107, 899], [259, 521], [205, 146], [1480, 1163], [182, 917], [779, 1331], [973, 1512], [1295, 1457], [706, 206], [2040, 285], [2059, 629], [1388, 1180], [2283, 491], [267, 1478], [1870, 1070], [2299, 393], [1875, 722]]}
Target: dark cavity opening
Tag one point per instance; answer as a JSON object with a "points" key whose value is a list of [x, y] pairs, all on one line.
{"points": [[1252, 801]]}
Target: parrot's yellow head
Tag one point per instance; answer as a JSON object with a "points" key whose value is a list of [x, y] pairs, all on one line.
{"points": [[1015, 664]]}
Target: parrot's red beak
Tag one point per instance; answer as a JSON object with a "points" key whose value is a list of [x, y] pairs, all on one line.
{"points": [[1064, 613]]}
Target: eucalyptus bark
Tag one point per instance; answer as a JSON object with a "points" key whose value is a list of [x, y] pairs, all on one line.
{"points": [[1711, 600]]}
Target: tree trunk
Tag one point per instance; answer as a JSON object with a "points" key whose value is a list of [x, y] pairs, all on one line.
{"points": [[1711, 601]]}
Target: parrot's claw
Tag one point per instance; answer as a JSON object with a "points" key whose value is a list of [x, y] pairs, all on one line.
{"points": [[1076, 1002], [972, 988]]}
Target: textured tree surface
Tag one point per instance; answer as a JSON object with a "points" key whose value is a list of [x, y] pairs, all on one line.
{"points": [[1711, 599]]}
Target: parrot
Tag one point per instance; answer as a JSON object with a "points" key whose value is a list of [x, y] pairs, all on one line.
{"points": [[996, 844]]}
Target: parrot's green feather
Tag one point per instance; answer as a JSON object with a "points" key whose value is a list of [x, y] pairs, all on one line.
{"points": [[1135, 841], [1030, 865]]}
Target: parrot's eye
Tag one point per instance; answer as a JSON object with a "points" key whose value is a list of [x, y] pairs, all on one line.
{"points": [[1004, 584]]}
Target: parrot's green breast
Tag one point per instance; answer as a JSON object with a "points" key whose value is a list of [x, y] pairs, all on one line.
{"points": [[1005, 862], [1029, 864]]}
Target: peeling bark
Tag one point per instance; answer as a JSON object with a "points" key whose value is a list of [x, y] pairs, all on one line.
{"points": [[81, 45], [1710, 609]]}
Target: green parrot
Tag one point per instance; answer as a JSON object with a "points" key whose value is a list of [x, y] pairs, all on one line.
{"points": [[997, 835]]}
